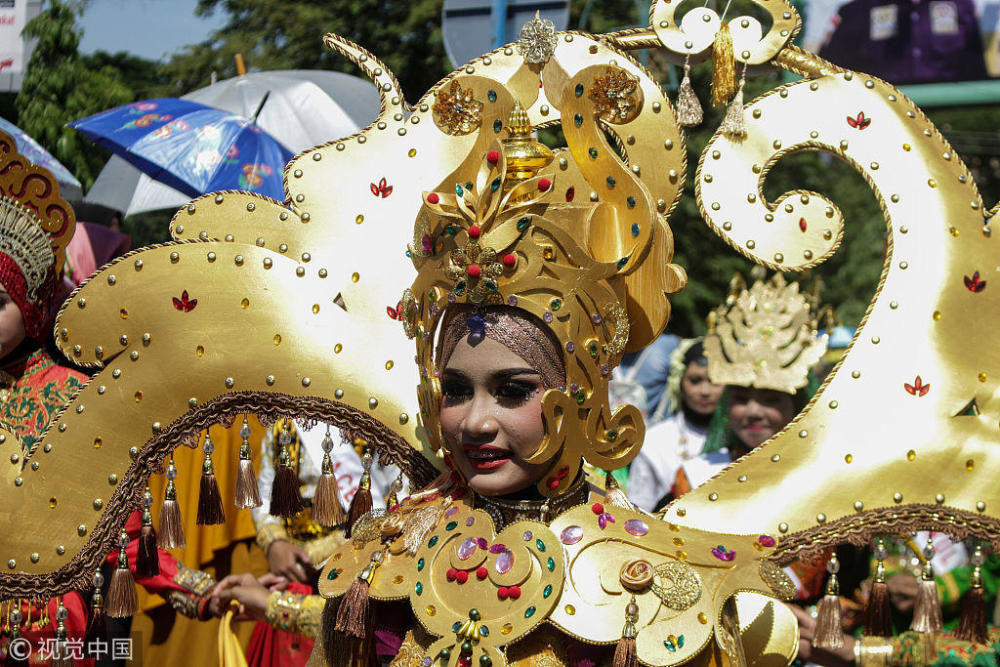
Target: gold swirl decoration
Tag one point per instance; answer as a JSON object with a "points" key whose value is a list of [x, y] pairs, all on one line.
{"points": [[903, 435]]}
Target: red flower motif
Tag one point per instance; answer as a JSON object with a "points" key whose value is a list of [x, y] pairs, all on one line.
{"points": [[395, 313], [570, 193], [918, 388], [184, 304], [975, 284], [381, 189], [859, 122], [802, 225]]}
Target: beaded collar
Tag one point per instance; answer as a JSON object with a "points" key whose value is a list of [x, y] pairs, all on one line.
{"points": [[506, 512]]}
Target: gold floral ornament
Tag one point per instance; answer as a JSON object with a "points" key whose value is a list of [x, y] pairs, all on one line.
{"points": [[764, 337], [457, 112], [537, 40], [500, 231], [616, 96]]}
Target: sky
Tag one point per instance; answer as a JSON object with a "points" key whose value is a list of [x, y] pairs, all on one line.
{"points": [[147, 28]]}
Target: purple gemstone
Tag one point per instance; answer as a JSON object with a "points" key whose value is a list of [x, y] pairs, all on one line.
{"points": [[722, 554], [471, 520], [497, 548], [605, 371], [570, 346], [476, 323], [602, 520], [467, 548], [596, 318], [547, 317], [435, 310], [505, 561], [482, 543], [527, 536], [452, 511], [573, 388], [636, 527], [512, 300], [451, 297], [571, 534], [427, 662], [611, 519]]}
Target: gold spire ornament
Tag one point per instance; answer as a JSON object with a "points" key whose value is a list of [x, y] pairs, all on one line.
{"points": [[764, 337]]}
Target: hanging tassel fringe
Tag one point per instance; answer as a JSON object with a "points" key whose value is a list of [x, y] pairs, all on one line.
{"points": [[927, 609], [285, 499], [147, 563], [171, 532], [210, 509], [689, 111], [733, 124], [625, 651], [354, 617], [361, 503], [14, 619], [613, 494], [96, 625], [829, 629], [972, 623], [63, 655], [247, 492], [723, 67], [878, 612], [122, 598], [327, 508]]}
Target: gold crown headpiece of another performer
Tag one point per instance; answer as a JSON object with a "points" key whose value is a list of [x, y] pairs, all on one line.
{"points": [[764, 336], [503, 230]]}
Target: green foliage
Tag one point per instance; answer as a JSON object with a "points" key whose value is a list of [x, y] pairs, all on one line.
{"points": [[59, 86]]}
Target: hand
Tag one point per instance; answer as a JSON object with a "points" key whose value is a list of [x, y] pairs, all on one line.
{"points": [[808, 652], [272, 582], [903, 589], [288, 561], [246, 591]]}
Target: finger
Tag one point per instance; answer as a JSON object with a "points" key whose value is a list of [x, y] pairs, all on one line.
{"points": [[303, 557], [270, 579]]}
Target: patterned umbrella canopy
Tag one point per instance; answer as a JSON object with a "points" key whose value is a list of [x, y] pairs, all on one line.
{"points": [[69, 187]]}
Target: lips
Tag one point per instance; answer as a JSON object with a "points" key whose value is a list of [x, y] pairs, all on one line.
{"points": [[484, 458]]}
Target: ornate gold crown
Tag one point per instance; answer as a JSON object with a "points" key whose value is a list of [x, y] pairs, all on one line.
{"points": [[764, 337], [503, 229]]}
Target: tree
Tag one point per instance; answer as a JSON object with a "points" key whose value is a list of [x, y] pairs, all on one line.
{"points": [[59, 87]]}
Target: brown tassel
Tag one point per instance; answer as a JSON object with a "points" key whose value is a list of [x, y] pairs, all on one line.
{"points": [[927, 609], [62, 655], [723, 67], [829, 630], [361, 503], [171, 532], [122, 599], [689, 111], [354, 617], [972, 624], [613, 494], [147, 562], [878, 612], [247, 492], [625, 652], [96, 626], [210, 509], [285, 499], [327, 508], [733, 124]]}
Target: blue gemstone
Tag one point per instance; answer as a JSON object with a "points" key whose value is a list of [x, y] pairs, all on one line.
{"points": [[593, 152], [420, 565], [631, 202], [433, 541], [484, 631], [540, 545], [476, 324], [579, 89], [458, 190], [497, 125], [551, 564], [547, 592], [635, 229], [578, 119], [611, 181], [491, 95]]}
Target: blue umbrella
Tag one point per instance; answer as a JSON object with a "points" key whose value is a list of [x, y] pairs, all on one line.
{"points": [[191, 147], [69, 187]]}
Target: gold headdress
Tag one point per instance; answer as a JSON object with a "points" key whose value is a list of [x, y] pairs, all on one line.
{"points": [[764, 337]]}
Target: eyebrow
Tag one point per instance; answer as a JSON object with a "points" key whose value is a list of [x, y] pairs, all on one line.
{"points": [[497, 375]]}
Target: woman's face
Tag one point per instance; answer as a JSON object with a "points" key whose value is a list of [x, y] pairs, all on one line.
{"points": [[11, 324], [491, 416], [700, 395], [757, 414]]}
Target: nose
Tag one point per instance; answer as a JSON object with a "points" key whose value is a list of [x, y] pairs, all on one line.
{"points": [[480, 423], [754, 410]]}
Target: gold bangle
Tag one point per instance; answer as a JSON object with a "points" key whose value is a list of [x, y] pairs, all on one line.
{"points": [[872, 652], [283, 610]]}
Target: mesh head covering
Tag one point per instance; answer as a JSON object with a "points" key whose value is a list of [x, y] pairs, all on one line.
{"points": [[516, 329]]}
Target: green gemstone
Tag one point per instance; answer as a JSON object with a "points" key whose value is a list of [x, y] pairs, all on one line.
{"points": [[551, 564], [334, 573], [419, 588], [622, 262], [540, 545], [580, 398], [680, 642], [456, 625], [611, 181], [669, 645], [579, 89], [468, 186], [445, 654], [420, 565], [450, 231], [578, 119], [555, 304], [497, 125], [592, 348], [593, 152], [548, 590], [458, 190], [529, 612], [466, 648], [490, 285], [451, 525], [523, 223], [491, 95], [474, 615], [484, 631], [433, 541], [459, 287], [495, 185], [485, 661], [612, 435]]}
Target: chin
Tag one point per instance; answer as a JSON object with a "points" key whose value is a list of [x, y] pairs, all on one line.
{"points": [[495, 483]]}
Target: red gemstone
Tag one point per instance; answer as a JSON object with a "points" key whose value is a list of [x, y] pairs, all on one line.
{"points": [[451, 574], [553, 483], [570, 193], [482, 573], [465, 661], [597, 508], [462, 576], [493, 157], [802, 224], [503, 592], [475, 232], [514, 592], [509, 259], [544, 184], [474, 271], [433, 198]]}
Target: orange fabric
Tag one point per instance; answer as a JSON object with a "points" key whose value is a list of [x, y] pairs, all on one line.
{"points": [[681, 483], [204, 541]]}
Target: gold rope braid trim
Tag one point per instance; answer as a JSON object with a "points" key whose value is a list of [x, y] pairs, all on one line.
{"points": [[859, 529], [223, 409]]}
